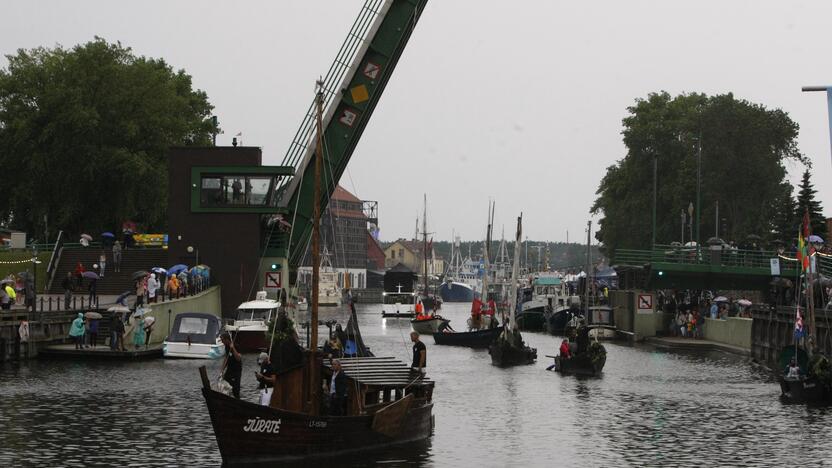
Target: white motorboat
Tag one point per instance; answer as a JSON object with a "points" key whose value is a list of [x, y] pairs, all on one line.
{"points": [[398, 304], [196, 336], [250, 329]]}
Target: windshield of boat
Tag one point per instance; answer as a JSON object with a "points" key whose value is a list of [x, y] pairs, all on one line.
{"points": [[193, 325], [254, 314], [392, 298]]}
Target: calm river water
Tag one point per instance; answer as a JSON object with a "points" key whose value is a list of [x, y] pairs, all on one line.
{"points": [[650, 408]]}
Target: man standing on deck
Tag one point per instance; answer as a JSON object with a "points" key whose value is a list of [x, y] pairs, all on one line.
{"points": [[266, 378], [420, 354], [233, 368], [337, 390]]}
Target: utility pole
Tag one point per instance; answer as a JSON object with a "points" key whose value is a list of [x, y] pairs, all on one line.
{"points": [[828, 90]]}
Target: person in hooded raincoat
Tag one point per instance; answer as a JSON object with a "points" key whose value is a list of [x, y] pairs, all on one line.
{"points": [[76, 330], [152, 287], [138, 332]]}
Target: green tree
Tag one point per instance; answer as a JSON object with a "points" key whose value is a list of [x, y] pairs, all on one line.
{"points": [[806, 201], [785, 223], [84, 134], [743, 149]]}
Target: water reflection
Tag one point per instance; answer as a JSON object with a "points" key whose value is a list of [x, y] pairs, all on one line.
{"points": [[650, 407]]}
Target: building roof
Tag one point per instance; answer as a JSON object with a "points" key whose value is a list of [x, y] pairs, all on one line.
{"points": [[342, 194]]}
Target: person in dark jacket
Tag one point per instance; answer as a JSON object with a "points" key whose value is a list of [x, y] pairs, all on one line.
{"points": [[68, 284], [337, 390], [233, 369]]}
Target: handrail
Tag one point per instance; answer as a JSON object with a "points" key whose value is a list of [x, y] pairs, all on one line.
{"points": [[52, 266]]}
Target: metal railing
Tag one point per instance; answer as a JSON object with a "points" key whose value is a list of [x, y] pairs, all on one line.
{"points": [[726, 257], [54, 259]]}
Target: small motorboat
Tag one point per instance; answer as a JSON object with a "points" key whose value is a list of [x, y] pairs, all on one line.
{"points": [[399, 304], [428, 325], [252, 323], [470, 339], [194, 335], [506, 351]]}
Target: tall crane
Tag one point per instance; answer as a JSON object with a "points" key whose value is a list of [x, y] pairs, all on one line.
{"points": [[352, 88]]}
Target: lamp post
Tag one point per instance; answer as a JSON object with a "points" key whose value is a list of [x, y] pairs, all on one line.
{"points": [[655, 196], [827, 89], [698, 185]]}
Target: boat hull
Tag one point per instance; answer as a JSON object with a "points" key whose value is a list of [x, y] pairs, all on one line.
{"points": [[248, 433], [407, 315], [555, 323], [503, 355], [429, 326], [456, 292], [249, 341], [804, 390], [580, 365], [173, 349], [530, 321], [472, 339]]}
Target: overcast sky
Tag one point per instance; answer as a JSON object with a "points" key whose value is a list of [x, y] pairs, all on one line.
{"points": [[518, 101]]}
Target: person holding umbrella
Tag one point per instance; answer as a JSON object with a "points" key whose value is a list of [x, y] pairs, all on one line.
{"points": [[92, 288]]}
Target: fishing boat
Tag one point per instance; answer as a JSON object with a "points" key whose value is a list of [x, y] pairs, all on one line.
{"points": [[249, 328], [429, 322], [509, 349], [601, 322], [462, 277], [476, 336], [194, 335], [386, 404]]}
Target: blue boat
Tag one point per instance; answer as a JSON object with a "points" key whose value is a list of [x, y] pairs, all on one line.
{"points": [[453, 291]]}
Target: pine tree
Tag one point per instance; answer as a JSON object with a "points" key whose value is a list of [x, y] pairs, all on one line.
{"points": [[785, 224], [806, 200]]}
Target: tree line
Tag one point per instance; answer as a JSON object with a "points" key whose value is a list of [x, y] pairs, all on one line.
{"points": [[84, 136], [739, 151]]}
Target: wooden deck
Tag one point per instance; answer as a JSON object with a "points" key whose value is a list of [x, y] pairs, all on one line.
{"points": [[68, 351]]}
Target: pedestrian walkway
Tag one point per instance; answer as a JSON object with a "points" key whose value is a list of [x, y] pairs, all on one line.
{"points": [[676, 343]]}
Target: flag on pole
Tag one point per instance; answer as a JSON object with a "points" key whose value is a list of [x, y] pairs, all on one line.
{"points": [[799, 330], [804, 250]]}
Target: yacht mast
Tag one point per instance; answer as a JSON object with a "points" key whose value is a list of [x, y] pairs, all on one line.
{"points": [[512, 299], [425, 238], [487, 251]]}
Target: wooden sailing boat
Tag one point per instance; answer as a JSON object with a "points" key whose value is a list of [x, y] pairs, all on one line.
{"points": [[476, 337], [385, 403], [430, 322], [508, 349], [813, 382], [589, 356]]}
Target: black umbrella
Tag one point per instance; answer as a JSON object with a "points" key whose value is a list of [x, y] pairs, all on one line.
{"points": [[139, 275], [122, 299]]}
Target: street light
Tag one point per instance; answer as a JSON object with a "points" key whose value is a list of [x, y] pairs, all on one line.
{"points": [[191, 249], [655, 189], [828, 102]]}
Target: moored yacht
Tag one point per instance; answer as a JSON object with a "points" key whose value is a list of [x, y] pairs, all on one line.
{"points": [[251, 326], [196, 336]]}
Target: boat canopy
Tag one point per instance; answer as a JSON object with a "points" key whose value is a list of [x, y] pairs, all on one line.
{"points": [[385, 372], [547, 281], [195, 328], [266, 304]]}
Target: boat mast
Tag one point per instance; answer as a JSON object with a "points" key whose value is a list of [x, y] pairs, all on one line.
{"points": [[487, 250], [314, 384], [588, 265], [425, 238], [512, 298]]}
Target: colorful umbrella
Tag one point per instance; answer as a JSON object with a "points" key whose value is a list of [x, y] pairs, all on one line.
{"points": [[815, 239], [137, 275], [118, 309], [108, 234], [176, 269], [90, 275], [93, 315], [721, 299], [744, 302], [86, 236]]}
